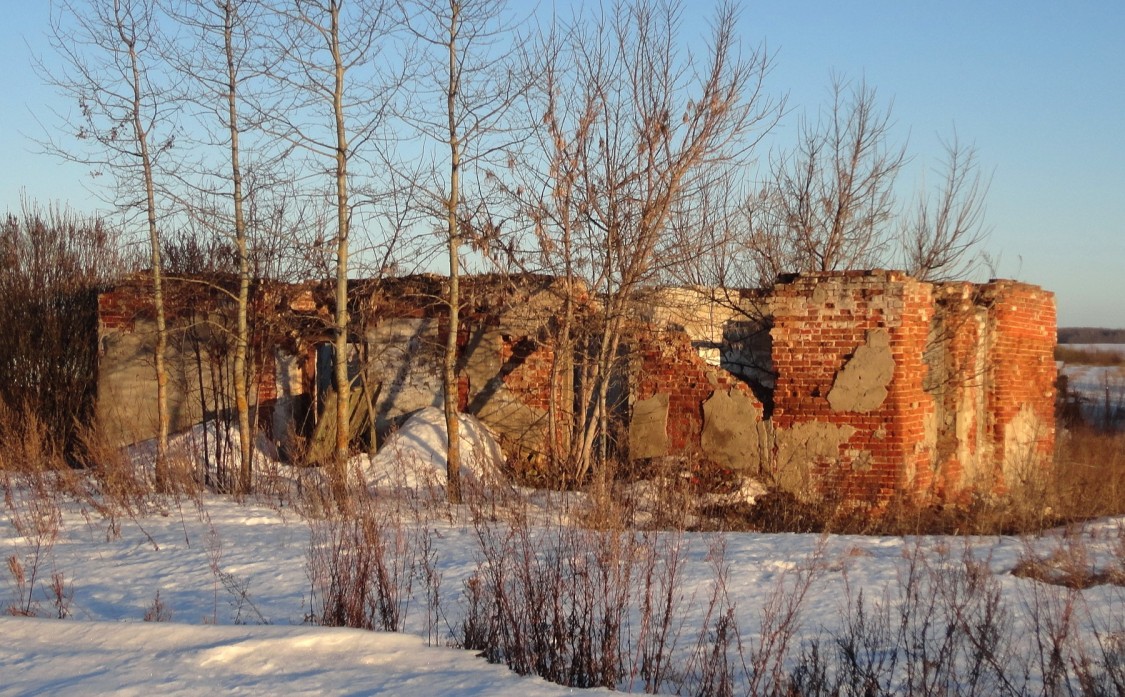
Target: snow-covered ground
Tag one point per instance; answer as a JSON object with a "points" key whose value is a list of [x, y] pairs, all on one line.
{"points": [[226, 588], [49, 657], [229, 583], [1100, 388]]}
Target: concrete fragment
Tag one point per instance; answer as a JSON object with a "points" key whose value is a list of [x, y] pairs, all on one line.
{"points": [[648, 429], [861, 385], [521, 426], [404, 354], [861, 461], [733, 432], [804, 445]]}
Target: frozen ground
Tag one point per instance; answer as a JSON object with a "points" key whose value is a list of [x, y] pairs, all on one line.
{"points": [[49, 657], [229, 580], [1101, 389], [228, 585]]}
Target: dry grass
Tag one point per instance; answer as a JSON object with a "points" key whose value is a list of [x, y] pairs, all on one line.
{"points": [[1070, 563], [603, 603], [1089, 477], [365, 561], [158, 610], [1087, 481]]}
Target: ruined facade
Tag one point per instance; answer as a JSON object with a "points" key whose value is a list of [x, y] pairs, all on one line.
{"points": [[860, 383]]}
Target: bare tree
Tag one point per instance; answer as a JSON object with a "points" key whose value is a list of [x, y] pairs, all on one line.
{"points": [[829, 204], [634, 130], [941, 241], [561, 120], [459, 39], [232, 19], [123, 127], [333, 97], [221, 56]]}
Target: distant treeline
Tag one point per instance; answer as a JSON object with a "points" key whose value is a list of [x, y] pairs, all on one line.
{"points": [[1091, 335], [1067, 353]]}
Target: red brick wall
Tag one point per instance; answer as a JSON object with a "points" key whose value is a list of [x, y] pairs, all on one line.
{"points": [[819, 322], [267, 378], [120, 307], [958, 354], [526, 370], [971, 363], [974, 375], [1022, 368], [669, 364]]}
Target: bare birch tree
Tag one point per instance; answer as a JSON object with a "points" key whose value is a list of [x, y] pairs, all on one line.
{"points": [[123, 127], [333, 97], [219, 54], [476, 88]]}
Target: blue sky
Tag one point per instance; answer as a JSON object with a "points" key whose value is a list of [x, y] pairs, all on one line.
{"points": [[1038, 87]]}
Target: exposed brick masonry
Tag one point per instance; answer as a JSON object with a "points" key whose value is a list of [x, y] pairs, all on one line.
{"points": [[819, 322], [883, 383], [669, 364]]}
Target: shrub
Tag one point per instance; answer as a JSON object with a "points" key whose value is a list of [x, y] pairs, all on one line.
{"points": [[362, 567], [52, 265]]}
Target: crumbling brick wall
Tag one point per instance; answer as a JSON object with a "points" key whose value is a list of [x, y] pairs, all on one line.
{"points": [[992, 376], [684, 405], [1021, 377], [850, 411], [126, 408], [507, 375], [526, 366], [957, 358], [872, 382], [884, 384]]}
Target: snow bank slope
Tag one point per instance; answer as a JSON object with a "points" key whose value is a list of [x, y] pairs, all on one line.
{"points": [[103, 658], [414, 456]]}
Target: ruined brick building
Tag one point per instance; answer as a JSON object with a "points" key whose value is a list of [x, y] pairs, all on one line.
{"points": [[862, 383]]}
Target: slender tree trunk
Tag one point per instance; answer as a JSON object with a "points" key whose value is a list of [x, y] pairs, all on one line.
{"points": [[560, 365], [453, 449], [597, 423], [561, 396], [242, 332], [343, 215], [197, 350], [141, 136]]}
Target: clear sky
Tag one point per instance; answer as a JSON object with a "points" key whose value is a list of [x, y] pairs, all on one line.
{"points": [[1038, 86]]}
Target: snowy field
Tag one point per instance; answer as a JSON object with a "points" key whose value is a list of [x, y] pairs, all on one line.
{"points": [[249, 632], [209, 595], [45, 657], [1100, 388]]}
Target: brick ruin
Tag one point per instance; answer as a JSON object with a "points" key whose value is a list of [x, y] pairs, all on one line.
{"points": [[898, 384], [864, 384]]}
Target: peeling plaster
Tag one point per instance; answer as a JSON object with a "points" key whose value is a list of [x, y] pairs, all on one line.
{"points": [[520, 425], [861, 460], [804, 445], [648, 429], [1021, 457], [861, 385], [733, 432]]}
